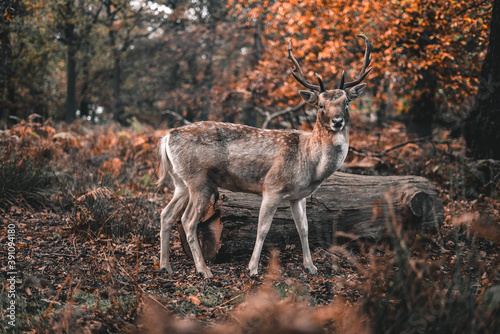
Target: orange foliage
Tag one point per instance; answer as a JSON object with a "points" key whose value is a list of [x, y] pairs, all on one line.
{"points": [[113, 166], [35, 141], [83, 149], [447, 38]]}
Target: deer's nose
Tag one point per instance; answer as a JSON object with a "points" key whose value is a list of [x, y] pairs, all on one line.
{"points": [[337, 122]]}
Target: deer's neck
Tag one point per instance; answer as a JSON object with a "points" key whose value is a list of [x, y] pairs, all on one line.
{"points": [[328, 150]]}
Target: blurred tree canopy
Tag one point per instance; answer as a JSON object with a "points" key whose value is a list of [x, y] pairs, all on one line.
{"points": [[227, 59]]}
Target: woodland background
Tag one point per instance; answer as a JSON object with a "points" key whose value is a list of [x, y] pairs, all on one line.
{"points": [[88, 87], [227, 60]]}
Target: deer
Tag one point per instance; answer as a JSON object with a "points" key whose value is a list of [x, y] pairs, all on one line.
{"points": [[276, 164]]}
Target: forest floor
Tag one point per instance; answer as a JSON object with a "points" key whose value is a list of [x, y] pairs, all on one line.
{"points": [[80, 204]]}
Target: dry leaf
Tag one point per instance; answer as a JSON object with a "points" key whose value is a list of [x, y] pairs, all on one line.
{"points": [[195, 300]]}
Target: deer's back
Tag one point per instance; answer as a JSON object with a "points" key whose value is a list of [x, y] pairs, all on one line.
{"points": [[235, 157]]}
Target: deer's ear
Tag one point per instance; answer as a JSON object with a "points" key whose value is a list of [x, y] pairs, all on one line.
{"points": [[356, 91], [309, 96]]}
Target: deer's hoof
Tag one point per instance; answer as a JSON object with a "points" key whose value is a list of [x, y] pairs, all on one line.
{"points": [[207, 273], [168, 270], [252, 272], [312, 269]]}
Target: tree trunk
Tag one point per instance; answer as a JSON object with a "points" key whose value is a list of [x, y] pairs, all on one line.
{"points": [[423, 105], [117, 105], [346, 205], [482, 125], [7, 72], [71, 85]]}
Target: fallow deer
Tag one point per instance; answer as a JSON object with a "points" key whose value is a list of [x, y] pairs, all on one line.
{"points": [[276, 164]]}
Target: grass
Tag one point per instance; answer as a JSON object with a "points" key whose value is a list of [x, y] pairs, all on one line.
{"points": [[33, 312], [29, 309], [26, 182], [414, 298]]}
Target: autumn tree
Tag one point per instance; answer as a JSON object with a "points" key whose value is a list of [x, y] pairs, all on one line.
{"points": [[482, 125], [193, 62], [226, 60], [25, 60], [426, 50], [74, 21], [8, 10], [124, 25]]}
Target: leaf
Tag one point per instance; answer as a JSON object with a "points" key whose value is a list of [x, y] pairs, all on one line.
{"points": [[195, 300], [101, 192], [113, 166]]}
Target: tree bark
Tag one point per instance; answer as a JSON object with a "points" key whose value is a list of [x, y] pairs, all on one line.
{"points": [[71, 40], [423, 105], [482, 125], [346, 205], [71, 84], [117, 105]]}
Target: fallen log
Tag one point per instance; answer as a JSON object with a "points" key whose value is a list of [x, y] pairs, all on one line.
{"points": [[356, 206]]}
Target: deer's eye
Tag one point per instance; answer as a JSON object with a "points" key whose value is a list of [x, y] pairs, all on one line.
{"points": [[321, 106]]}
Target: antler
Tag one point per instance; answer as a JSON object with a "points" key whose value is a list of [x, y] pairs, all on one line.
{"points": [[300, 76], [364, 72]]}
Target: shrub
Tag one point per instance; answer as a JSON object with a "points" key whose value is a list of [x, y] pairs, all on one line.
{"points": [[25, 181], [102, 212], [94, 214], [409, 292]]}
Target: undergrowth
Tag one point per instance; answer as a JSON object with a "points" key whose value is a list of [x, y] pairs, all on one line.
{"points": [[413, 296], [99, 179], [100, 213], [25, 182], [402, 292]]}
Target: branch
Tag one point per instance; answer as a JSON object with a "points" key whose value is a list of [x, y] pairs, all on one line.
{"points": [[270, 116], [235, 92], [418, 140], [176, 116], [363, 154], [378, 156]]}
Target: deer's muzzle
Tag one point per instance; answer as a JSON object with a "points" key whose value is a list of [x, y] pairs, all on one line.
{"points": [[337, 124]]}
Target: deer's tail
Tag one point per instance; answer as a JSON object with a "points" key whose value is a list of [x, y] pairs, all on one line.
{"points": [[165, 164]]}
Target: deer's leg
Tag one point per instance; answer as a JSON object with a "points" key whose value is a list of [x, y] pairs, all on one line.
{"points": [[300, 219], [267, 209], [197, 202], [168, 216]]}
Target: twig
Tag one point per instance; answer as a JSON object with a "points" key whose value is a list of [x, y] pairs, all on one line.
{"points": [[141, 289], [176, 116], [58, 254], [236, 92], [363, 154], [378, 156], [418, 140], [42, 318], [230, 300], [270, 116]]}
